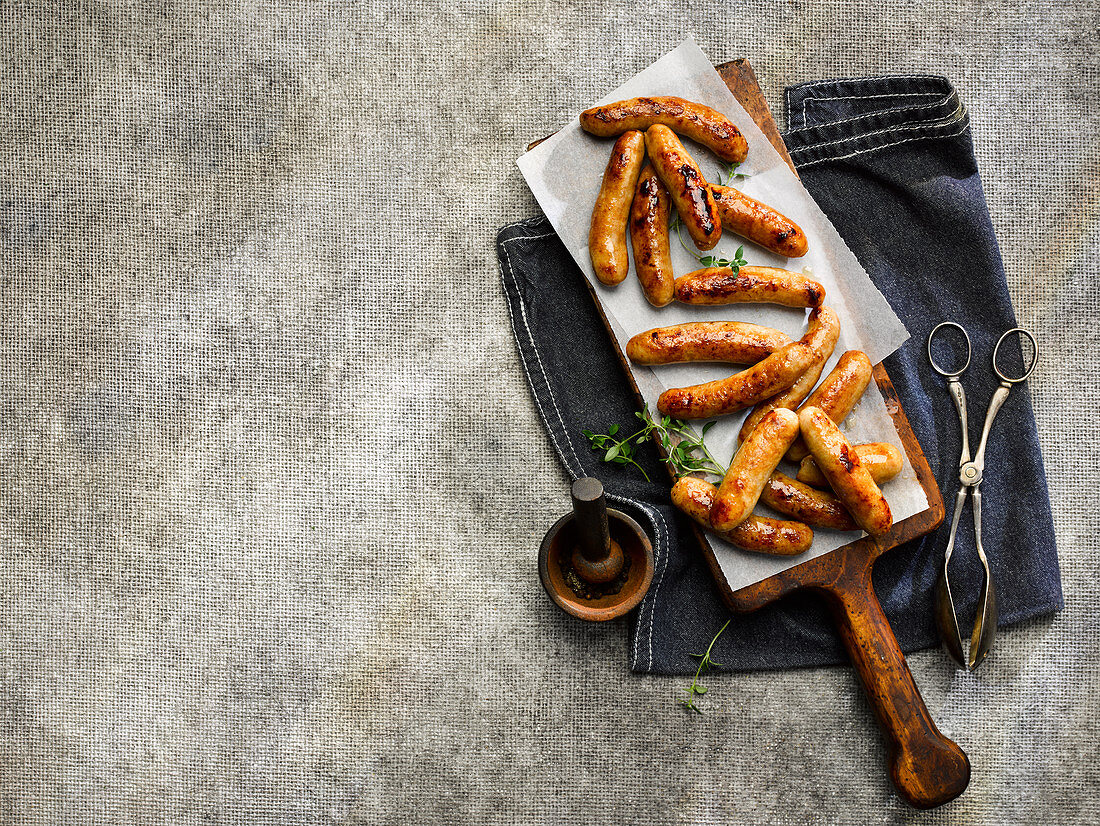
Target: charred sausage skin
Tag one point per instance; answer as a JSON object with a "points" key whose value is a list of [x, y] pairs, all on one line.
{"points": [[685, 183], [814, 507], [882, 460], [851, 482], [607, 232], [761, 534], [759, 223], [723, 396], [838, 394], [700, 123], [736, 342], [649, 238], [753, 463], [821, 335], [758, 285]]}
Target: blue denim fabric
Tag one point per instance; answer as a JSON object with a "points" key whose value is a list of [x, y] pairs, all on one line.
{"points": [[890, 161]]}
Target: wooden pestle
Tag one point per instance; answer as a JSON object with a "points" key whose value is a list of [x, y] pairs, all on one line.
{"points": [[598, 559]]}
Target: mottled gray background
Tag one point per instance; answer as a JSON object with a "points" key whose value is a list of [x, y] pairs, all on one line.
{"points": [[272, 482]]}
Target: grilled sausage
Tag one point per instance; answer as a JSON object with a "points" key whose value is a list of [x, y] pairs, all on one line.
{"points": [[821, 334], [717, 398], [814, 507], [649, 238], [838, 394], [607, 233], [757, 533], [882, 460], [754, 462], [736, 342], [759, 223], [700, 123], [849, 479], [686, 184], [760, 285]]}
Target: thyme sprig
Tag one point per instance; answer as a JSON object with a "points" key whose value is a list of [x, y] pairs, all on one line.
{"points": [[736, 263], [697, 689], [731, 173], [687, 453], [738, 260]]}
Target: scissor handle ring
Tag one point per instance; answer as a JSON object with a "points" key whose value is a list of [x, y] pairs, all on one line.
{"points": [[1034, 357], [931, 359]]}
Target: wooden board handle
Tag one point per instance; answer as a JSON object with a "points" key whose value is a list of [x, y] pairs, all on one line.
{"points": [[927, 768]]}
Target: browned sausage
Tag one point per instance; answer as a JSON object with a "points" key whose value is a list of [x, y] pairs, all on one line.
{"points": [[717, 398], [686, 184], [882, 460], [757, 533], [649, 238], [814, 507], [754, 462], [821, 335], [737, 342], [607, 233], [759, 223], [700, 123], [760, 285], [849, 479], [838, 394]]}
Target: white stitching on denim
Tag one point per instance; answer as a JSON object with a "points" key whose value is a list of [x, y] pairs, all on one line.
{"points": [[663, 542], [944, 99], [523, 363], [958, 114], [549, 388], [940, 100], [852, 81], [891, 95], [864, 80], [655, 518], [883, 146], [808, 99]]}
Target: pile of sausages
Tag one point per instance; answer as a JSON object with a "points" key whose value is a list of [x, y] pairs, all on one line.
{"points": [[644, 197], [790, 418]]}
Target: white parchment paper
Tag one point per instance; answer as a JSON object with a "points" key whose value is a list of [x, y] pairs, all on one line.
{"points": [[564, 173]]}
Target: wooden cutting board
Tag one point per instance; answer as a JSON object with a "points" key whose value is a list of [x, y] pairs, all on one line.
{"points": [[927, 768]]}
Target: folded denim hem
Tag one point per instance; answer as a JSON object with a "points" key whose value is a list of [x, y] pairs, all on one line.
{"points": [[563, 437], [832, 120]]}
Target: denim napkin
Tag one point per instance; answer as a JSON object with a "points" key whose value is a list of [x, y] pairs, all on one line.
{"points": [[890, 161]]}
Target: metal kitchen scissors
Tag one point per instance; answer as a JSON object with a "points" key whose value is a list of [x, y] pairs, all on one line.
{"points": [[970, 477]]}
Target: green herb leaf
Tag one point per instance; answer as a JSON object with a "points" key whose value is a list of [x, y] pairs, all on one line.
{"points": [[685, 450], [696, 687]]}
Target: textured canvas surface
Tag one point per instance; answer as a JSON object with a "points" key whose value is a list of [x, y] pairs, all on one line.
{"points": [[272, 482]]}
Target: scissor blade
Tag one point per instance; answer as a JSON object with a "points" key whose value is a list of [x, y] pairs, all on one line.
{"points": [[960, 498], [946, 618], [985, 624]]}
